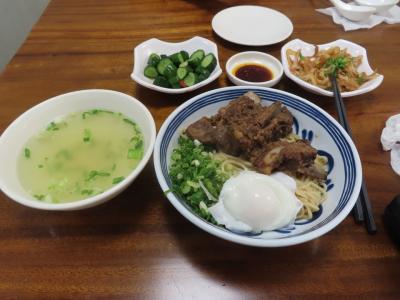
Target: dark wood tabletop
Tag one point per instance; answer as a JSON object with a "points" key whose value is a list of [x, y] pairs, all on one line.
{"points": [[137, 246]]}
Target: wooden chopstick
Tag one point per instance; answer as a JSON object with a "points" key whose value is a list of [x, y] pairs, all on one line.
{"points": [[362, 208]]}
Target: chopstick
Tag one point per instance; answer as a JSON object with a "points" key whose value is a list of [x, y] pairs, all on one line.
{"points": [[362, 208], [341, 111]]}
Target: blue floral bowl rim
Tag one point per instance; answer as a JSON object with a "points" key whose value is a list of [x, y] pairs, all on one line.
{"points": [[246, 240]]}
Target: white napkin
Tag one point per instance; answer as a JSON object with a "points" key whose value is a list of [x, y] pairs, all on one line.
{"points": [[392, 16], [390, 140]]}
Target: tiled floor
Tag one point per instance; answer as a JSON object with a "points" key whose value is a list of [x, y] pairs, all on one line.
{"points": [[16, 20]]}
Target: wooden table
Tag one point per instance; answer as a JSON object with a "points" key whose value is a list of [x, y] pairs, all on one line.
{"points": [[137, 245]]}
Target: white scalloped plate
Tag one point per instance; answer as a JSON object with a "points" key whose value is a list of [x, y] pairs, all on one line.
{"points": [[143, 51], [308, 50]]}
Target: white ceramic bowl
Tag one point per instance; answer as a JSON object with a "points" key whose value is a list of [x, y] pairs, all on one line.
{"points": [[308, 50], [259, 58], [312, 123], [38, 117], [380, 6], [353, 12], [143, 51]]}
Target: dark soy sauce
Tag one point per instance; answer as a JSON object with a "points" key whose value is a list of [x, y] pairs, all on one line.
{"points": [[252, 72]]}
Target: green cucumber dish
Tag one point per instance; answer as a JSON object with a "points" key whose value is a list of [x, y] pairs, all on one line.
{"points": [[180, 70]]}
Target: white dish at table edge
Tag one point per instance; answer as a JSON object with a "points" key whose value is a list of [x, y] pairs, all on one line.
{"points": [[143, 51], [381, 6], [308, 50], [252, 25], [353, 12], [32, 121], [331, 215]]}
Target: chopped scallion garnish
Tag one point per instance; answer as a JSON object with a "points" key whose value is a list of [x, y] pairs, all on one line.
{"points": [[52, 127], [27, 152], [39, 197], [118, 179], [86, 135], [94, 173], [135, 153], [87, 192]]}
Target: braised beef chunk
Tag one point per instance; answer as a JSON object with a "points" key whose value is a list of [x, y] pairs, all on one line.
{"points": [[203, 131], [252, 124], [285, 156], [269, 113], [313, 172], [225, 140], [248, 129]]}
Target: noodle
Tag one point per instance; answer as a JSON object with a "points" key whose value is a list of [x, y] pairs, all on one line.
{"points": [[231, 165], [309, 191], [315, 69]]}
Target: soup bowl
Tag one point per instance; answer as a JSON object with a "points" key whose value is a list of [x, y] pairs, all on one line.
{"points": [[311, 123], [38, 117]]}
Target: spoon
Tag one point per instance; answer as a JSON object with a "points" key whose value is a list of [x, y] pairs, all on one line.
{"points": [[353, 12]]}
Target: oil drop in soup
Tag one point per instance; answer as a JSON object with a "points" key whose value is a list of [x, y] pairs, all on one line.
{"points": [[80, 156]]}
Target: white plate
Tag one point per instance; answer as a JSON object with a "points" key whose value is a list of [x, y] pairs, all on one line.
{"points": [[252, 25], [308, 50], [143, 51]]}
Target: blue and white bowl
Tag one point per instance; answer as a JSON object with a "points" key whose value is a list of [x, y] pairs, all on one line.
{"points": [[312, 123]]}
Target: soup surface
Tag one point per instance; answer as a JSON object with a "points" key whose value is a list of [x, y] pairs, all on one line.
{"points": [[80, 155]]}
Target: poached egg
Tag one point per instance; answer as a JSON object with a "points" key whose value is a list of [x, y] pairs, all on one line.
{"points": [[255, 202]]}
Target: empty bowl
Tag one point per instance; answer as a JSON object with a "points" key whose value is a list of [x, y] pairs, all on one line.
{"points": [[353, 12], [380, 6]]}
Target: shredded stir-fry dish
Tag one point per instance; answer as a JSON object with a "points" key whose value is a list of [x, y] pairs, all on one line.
{"points": [[316, 69]]}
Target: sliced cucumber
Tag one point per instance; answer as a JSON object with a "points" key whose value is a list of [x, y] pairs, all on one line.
{"points": [[150, 72], [179, 69], [185, 55], [161, 81], [170, 71], [153, 60], [177, 58], [191, 79], [203, 72], [176, 85], [162, 65], [184, 64], [181, 73], [173, 80], [209, 62], [196, 57], [202, 77]]}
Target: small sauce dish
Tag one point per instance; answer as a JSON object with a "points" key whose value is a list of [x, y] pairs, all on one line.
{"points": [[254, 68]]}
